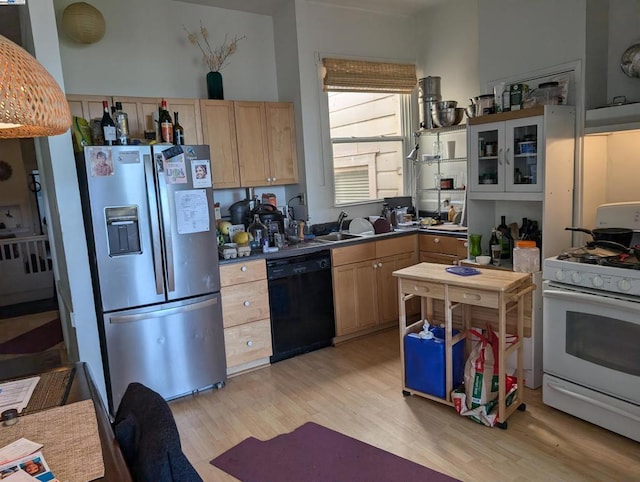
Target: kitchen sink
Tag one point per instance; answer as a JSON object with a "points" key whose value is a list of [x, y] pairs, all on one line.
{"points": [[336, 237]]}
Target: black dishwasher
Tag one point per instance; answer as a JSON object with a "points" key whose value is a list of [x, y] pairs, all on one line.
{"points": [[301, 304]]}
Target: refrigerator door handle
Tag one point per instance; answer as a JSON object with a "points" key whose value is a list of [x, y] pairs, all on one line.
{"points": [[155, 225], [166, 224], [162, 313]]}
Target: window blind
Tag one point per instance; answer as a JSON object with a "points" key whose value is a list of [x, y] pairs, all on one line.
{"points": [[352, 185], [364, 76]]}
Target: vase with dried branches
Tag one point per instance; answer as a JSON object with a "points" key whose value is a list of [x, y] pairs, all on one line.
{"points": [[214, 58]]}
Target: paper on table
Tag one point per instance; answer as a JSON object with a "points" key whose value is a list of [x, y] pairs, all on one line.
{"points": [[18, 449], [16, 394]]}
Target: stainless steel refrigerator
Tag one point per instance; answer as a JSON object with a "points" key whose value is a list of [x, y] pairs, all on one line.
{"points": [[150, 225]]}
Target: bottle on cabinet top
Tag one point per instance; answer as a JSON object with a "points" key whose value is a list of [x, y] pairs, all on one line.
{"points": [[178, 131], [166, 124], [108, 126], [122, 125]]}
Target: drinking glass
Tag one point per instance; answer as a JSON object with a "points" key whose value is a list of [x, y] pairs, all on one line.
{"points": [[475, 245], [496, 252]]}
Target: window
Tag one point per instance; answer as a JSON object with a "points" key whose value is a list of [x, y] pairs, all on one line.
{"points": [[368, 111]]}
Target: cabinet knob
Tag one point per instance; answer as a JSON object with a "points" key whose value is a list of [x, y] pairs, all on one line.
{"points": [[244, 268], [436, 240], [268, 179], [247, 303], [379, 265], [466, 244], [375, 265], [273, 179], [249, 343]]}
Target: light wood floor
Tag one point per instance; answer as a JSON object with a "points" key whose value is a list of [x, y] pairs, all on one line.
{"points": [[355, 388]]}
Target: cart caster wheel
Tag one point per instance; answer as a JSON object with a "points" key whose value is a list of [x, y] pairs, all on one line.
{"points": [[405, 393], [219, 385], [502, 425], [522, 407]]}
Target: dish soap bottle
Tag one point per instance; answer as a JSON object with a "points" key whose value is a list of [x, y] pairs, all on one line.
{"points": [[451, 215]]}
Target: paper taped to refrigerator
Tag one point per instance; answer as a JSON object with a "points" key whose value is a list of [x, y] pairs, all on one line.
{"points": [[192, 211]]}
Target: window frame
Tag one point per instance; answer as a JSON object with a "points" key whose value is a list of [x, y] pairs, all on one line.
{"points": [[408, 119]]}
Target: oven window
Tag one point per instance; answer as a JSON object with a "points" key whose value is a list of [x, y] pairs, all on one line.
{"points": [[605, 341]]}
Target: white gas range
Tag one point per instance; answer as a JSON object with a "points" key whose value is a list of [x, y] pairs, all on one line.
{"points": [[591, 331]]}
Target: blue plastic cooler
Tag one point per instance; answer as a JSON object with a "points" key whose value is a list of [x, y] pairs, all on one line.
{"points": [[424, 362]]}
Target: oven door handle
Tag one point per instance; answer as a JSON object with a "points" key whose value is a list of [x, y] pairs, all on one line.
{"points": [[577, 296], [593, 401]]}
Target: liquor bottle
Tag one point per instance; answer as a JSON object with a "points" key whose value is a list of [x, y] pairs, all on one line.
{"points": [[108, 126], [178, 131], [260, 234], [505, 240], [122, 125], [166, 125], [524, 229]]}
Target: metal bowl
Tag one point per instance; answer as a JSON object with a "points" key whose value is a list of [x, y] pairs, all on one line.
{"points": [[447, 117], [446, 104]]}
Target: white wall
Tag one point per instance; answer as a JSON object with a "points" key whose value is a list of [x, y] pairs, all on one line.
{"points": [[519, 36], [66, 230], [145, 51], [339, 31], [624, 17], [446, 37]]}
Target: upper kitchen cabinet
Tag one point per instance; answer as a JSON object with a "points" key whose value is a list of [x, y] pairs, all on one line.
{"points": [[219, 132], [86, 106], [141, 112], [508, 152], [266, 143]]}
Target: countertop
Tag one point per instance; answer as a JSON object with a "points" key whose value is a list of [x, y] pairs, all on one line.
{"points": [[313, 246]]}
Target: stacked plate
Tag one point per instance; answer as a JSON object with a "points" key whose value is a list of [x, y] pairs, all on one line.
{"points": [[361, 226]]}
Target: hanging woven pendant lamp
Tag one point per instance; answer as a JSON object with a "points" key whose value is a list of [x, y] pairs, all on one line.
{"points": [[31, 101]]}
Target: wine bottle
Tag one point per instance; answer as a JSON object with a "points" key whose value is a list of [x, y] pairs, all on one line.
{"points": [[178, 131], [108, 126], [122, 125], [166, 125], [505, 240]]}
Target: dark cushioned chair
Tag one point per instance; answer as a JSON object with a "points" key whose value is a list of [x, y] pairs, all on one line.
{"points": [[149, 439]]}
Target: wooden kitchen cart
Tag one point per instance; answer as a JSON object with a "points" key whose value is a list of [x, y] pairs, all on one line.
{"points": [[497, 289]]}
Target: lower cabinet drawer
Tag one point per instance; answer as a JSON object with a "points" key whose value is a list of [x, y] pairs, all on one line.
{"points": [[248, 342], [245, 302]]}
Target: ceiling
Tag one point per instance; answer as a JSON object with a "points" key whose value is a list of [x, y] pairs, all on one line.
{"points": [[270, 7]]}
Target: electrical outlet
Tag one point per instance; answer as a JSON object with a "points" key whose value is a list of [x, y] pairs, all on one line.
{"points": [[302, 199]]}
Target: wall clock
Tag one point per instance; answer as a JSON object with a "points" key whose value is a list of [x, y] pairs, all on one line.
{"points": [[5, 170]]}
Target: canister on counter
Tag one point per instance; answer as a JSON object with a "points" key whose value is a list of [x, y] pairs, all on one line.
{"points": [[526, 257], [517, 95]]}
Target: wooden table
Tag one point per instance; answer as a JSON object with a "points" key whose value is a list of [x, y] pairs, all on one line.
{"points": [[502, 290], [83, 388]]}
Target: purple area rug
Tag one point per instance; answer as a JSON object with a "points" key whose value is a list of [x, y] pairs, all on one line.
{"points": [[34, 341], [315, 453]]}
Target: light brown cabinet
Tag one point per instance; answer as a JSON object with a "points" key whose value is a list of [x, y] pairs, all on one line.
{"points": [[266, 143], [365, 292], [435, 248], [245, 313], [252, 143], [219, 132], [140, 111]]}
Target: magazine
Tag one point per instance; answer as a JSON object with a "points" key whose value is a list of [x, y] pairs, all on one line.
{"points": [[33, 465]]}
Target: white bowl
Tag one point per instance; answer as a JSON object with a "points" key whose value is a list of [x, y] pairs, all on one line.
{"points": [[484, 260]]}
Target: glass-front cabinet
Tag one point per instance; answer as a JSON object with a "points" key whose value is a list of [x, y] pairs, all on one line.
{"points": [[507, 156]]}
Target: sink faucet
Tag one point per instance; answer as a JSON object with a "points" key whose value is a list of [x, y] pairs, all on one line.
{"points": [[341, 217]]}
